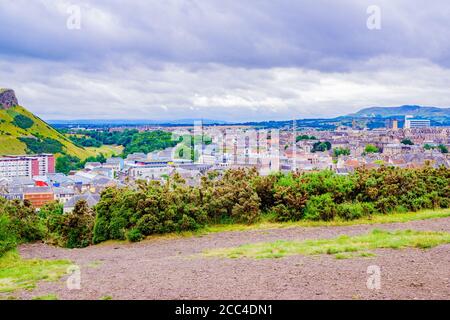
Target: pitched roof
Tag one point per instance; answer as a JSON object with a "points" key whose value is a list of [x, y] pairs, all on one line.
{"points": [[91, 199]]}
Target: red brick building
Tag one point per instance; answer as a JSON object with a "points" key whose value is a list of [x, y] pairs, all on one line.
{"points": [[38, 196]]}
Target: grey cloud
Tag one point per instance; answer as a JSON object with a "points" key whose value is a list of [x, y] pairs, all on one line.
{"points": [[233, 60], [215, 91], [319, 34]]}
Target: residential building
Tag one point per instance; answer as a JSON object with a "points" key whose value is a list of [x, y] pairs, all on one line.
{"points": [[38, 196], [27, 166], [91, 199]]}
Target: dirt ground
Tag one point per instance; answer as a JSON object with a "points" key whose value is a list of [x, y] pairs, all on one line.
{"points": [[174, 269]]}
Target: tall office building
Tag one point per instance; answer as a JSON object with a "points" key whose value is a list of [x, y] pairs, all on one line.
{"points": [[411, 123]]}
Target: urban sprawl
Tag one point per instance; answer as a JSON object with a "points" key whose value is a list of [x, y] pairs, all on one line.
{"points": [[33, 177]]}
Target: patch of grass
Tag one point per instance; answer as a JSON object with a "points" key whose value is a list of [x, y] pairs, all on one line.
{"points": [[106, 298], [17, 273], [340, 246], [349, 255], [50, 296], [266, 221]]}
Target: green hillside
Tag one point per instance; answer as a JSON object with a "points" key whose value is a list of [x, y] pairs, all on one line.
{"points": [[21, 132], [419, 111]]}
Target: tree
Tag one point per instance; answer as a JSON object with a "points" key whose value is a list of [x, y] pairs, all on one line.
{"points": [[321, 146], [305, 137], [370, 148], [407, 142], [78, 226], [443, 148], [22, 121], [341, 151]]}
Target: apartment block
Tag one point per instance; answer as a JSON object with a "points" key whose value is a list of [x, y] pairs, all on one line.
{"points": [[26, 165]]}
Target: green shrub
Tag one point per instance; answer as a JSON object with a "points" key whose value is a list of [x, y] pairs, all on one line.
{"points": [[147, 224], [45, 145], [320, 207], [8, 240], [134, 235], [77, 230], [52, 216], [290, 197], [101, 230], [24, 222], [356, 210], [117, 228], [243, 196], [23, 122]]}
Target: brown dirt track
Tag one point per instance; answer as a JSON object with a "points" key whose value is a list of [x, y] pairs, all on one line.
{"points": [[173, 269]]}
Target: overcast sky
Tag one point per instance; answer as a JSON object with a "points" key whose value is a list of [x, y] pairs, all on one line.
{"points": [[226, 60]]}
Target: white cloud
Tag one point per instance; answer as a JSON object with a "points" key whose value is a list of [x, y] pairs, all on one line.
{"points": [[173, 91]]}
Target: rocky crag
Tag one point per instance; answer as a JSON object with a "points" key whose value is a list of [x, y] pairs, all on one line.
{"points": [[7, 99]]}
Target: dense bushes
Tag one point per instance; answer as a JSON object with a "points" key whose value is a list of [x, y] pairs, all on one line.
{"points": [[20, 223], [152, 208], [22, 121], [236, 196], [42, 145], [85, 141], [66, 163], [7, 239], [242, 196]]}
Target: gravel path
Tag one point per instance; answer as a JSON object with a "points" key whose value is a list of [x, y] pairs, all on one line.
{"points": [[172, 269]]}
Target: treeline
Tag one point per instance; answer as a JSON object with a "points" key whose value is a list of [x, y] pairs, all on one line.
{"points": [[67, 163], [40, 144], [85, 141], [132, 140], [237, 196]]}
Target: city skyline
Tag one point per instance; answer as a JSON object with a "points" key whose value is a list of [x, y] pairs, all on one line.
{"points": [[229, 61]]}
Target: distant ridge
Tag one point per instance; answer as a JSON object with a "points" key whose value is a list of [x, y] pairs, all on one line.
{"points": [[419, 111], [134, 122]]}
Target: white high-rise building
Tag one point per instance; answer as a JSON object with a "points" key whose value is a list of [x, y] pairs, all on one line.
{"points": [[411, 123]]}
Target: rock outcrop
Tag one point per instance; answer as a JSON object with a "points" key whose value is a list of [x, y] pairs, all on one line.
{"points": [[7, 99]]}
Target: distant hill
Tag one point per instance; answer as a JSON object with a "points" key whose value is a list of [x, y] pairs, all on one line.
{"points": [[131, 122], [21, 132], [418, 111]]}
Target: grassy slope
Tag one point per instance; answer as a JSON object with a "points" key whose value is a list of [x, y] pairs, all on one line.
{"points": [[9, 134], [344, 244]]}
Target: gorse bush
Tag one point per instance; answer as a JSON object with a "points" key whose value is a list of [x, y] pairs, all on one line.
{"points": [[20, 223], [241, 196], [76, 227], [234, 196], [7, 239], [24, 224]]}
